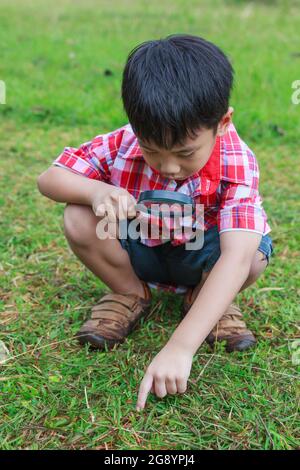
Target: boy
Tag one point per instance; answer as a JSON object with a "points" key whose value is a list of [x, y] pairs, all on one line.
{"points": [[181, 138]]}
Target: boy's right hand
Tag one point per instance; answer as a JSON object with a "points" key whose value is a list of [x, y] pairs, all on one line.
{"points": [[116, 203]]}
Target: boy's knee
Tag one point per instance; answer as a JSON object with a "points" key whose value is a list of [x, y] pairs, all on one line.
{"points": [[258, 266], [79, 224]]}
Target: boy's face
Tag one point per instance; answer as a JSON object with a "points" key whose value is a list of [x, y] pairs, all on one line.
{"points": [[183, 161]]}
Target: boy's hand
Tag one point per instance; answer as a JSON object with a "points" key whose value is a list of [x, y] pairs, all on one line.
{"points": [[116, 202], [168, 373]]}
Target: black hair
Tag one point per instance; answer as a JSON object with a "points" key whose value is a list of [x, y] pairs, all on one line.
{"points": [[174, 86]]}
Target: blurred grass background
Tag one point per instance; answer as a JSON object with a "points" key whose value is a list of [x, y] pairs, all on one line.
{"points": [[62, 64]]}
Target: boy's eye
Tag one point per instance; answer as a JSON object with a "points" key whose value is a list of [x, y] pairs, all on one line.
{"points": [[188, 155]]}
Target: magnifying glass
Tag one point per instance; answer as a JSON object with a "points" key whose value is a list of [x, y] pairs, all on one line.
{"points": [[162, 204], [160, 196]]}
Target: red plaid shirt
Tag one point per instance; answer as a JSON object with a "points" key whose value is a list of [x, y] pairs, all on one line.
{"points": [[227, 185]]}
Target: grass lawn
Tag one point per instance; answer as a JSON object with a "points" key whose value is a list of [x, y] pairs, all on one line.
{"points": [[55, 394]]}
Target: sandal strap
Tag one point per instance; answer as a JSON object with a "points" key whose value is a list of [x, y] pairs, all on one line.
{"points": [[109, 300]]}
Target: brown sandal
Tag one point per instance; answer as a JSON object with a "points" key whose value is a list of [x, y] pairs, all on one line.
{"points": [[231, 327], [113, 318]]}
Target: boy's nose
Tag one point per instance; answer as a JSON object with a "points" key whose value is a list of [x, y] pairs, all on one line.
{"points": [[170, 170]]}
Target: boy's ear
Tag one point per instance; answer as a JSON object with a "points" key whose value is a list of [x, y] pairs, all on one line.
{"points": [[225, 122]]}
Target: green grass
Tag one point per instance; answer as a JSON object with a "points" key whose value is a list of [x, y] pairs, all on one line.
{"points": [[53, 60]]}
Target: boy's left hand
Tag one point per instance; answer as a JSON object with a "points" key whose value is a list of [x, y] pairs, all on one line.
{"points": [[168, 373]]}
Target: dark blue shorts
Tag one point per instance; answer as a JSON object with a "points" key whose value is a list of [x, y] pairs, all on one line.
{"points": [[170, 264]]}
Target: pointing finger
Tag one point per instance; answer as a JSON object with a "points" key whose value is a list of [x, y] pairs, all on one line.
{"points": [[145, 388]]}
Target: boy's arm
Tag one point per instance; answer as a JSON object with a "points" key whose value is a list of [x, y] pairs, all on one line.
{"points": [[241, 223], [171, 367], [63, 185], [222, 285], [78, 175]]}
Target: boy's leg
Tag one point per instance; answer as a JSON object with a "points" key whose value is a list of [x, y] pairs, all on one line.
{"points": [[105, 258], [117, 313]]}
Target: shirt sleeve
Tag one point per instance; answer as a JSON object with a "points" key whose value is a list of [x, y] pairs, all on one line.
{"points": [[89, 159], [240, 202]]}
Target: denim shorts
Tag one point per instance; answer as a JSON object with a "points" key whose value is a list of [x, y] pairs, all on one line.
{"points": [[170, 264]]}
